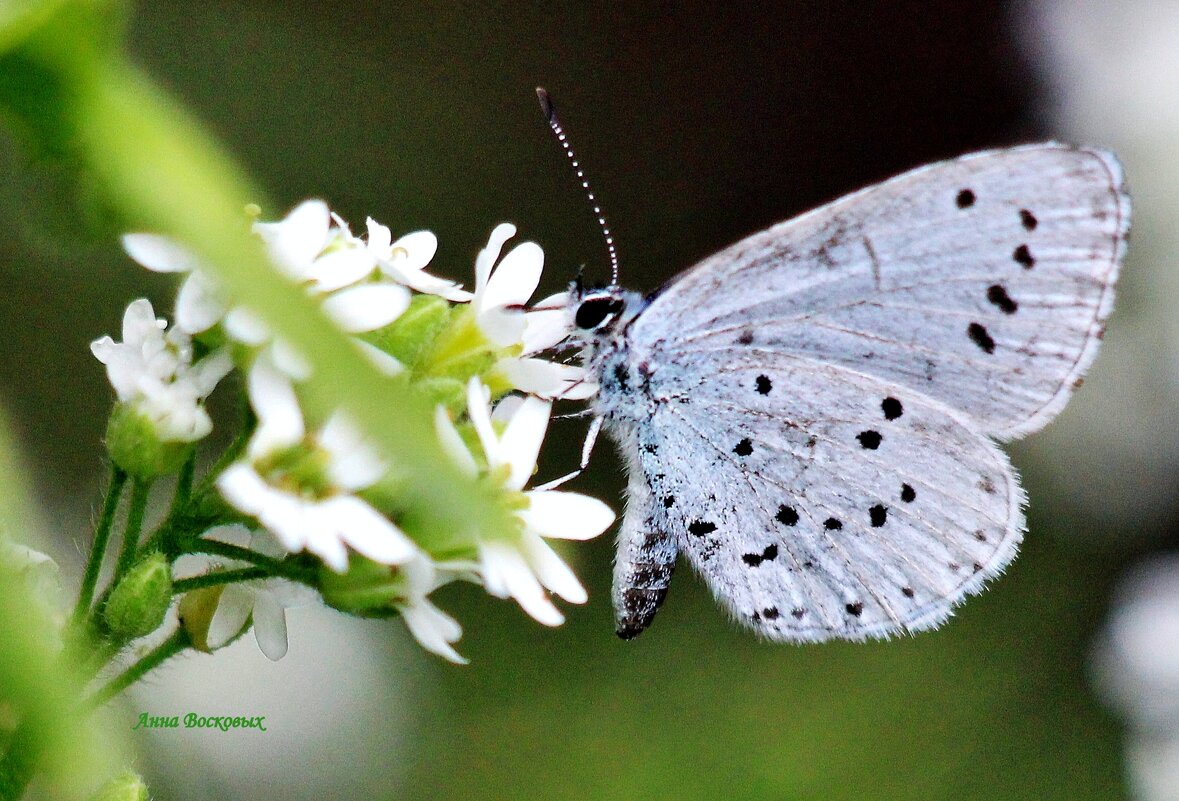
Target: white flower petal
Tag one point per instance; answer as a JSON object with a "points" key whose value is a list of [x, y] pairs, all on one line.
{"points": [[230, 534], [452, 443], [367, 530], [367, 307], [547, 379], [521, 440], [488, 256], [514, 279], [300, 237], [565, 515], [551, 570], [141, 324], [413, 251], [480, 416], [504, 568], [206, 373], [233, 608], [341, 268], [379, 238], [289, 361], [245, 326], [433, 629], [503, 327], [379, 359], [352, 463], [159, 253], [545, 329], [280, 420], [198, 304], [270, 626]]}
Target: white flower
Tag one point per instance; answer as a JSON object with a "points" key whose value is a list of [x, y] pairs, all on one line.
{"points": [[501, 292], [524, 566], [405, 260], [301, 486], [326, 259], [264, 601], [434, 630], [152, 370]]}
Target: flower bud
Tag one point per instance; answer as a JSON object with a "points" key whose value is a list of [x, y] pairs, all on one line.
{"points": [[134, 444], [140, 600], [365, 588], [196, 614], [127, 786], [408, 337]]}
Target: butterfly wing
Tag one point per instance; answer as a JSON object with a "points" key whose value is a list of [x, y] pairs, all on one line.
{"points": [[817, 506], [982, 282]]}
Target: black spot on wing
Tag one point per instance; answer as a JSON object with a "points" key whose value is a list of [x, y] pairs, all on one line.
{"points": [[1023, 256], [965, 199], [1028, 220], [744, 448], [832, 524], [979, 336], [892, 408], [908, 494], [855, 610], [771, 613], [745, 337], [997, 295], [907, 592], [768, 555], [763, 385], [878, 515], [869, 440], [699, 528], [787, 516]]}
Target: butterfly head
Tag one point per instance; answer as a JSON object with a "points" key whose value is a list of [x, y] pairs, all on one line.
{"points": [[596, 309]]}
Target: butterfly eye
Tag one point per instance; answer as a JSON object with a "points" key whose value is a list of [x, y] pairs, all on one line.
{"points": [[594, 312]]}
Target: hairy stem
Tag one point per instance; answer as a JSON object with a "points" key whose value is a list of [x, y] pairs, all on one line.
{"points": [[140, 489], [219, 577], [102, 535], [153, 659]]}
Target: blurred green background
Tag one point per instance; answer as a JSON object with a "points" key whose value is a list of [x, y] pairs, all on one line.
{"points": [[698, 123]]}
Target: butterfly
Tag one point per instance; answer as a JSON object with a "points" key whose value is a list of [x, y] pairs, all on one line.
{"points": [[811, 415]]}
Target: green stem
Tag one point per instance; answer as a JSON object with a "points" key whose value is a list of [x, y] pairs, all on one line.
{"points": [[140, 489], [219, 577], [19, 762], [183, 485], [102, 535], [286, 568], [153, 659]]}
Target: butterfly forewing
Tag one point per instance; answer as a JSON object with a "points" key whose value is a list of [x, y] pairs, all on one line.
{"points": [[818, 507], [983, 282]]}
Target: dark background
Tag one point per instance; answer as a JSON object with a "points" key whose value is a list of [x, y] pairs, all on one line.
{"points": [[698, 123]]}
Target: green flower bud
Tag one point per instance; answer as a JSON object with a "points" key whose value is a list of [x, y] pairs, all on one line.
{"points": [[409, 336], [140, 600], [367, 588], [196, 614], [127, 786], [134, 444]]}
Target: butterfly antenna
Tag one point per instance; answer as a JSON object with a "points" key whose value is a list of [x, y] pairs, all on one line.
{"points": [[550, 115]]}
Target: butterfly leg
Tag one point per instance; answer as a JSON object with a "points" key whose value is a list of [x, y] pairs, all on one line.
{"points": [[587, 448]]}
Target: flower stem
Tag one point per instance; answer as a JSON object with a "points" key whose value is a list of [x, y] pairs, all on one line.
{"points": [[219, 577], [140, 489], [102, 536], [286, 568], [183, 485], [153, 659], [19, 762]]}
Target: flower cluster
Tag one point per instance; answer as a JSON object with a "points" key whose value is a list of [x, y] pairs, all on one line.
{"points": [[311, 500]]}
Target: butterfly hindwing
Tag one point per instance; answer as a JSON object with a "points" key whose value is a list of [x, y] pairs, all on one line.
{"points": [[818, 507]]}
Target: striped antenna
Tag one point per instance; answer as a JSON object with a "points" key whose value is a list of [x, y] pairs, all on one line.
{"points": [[550, 114]]}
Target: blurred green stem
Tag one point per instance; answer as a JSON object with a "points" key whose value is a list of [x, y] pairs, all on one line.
{"points": [[181, 586], [140, 491], [102, 536], [153, 659], [19, 762]]}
